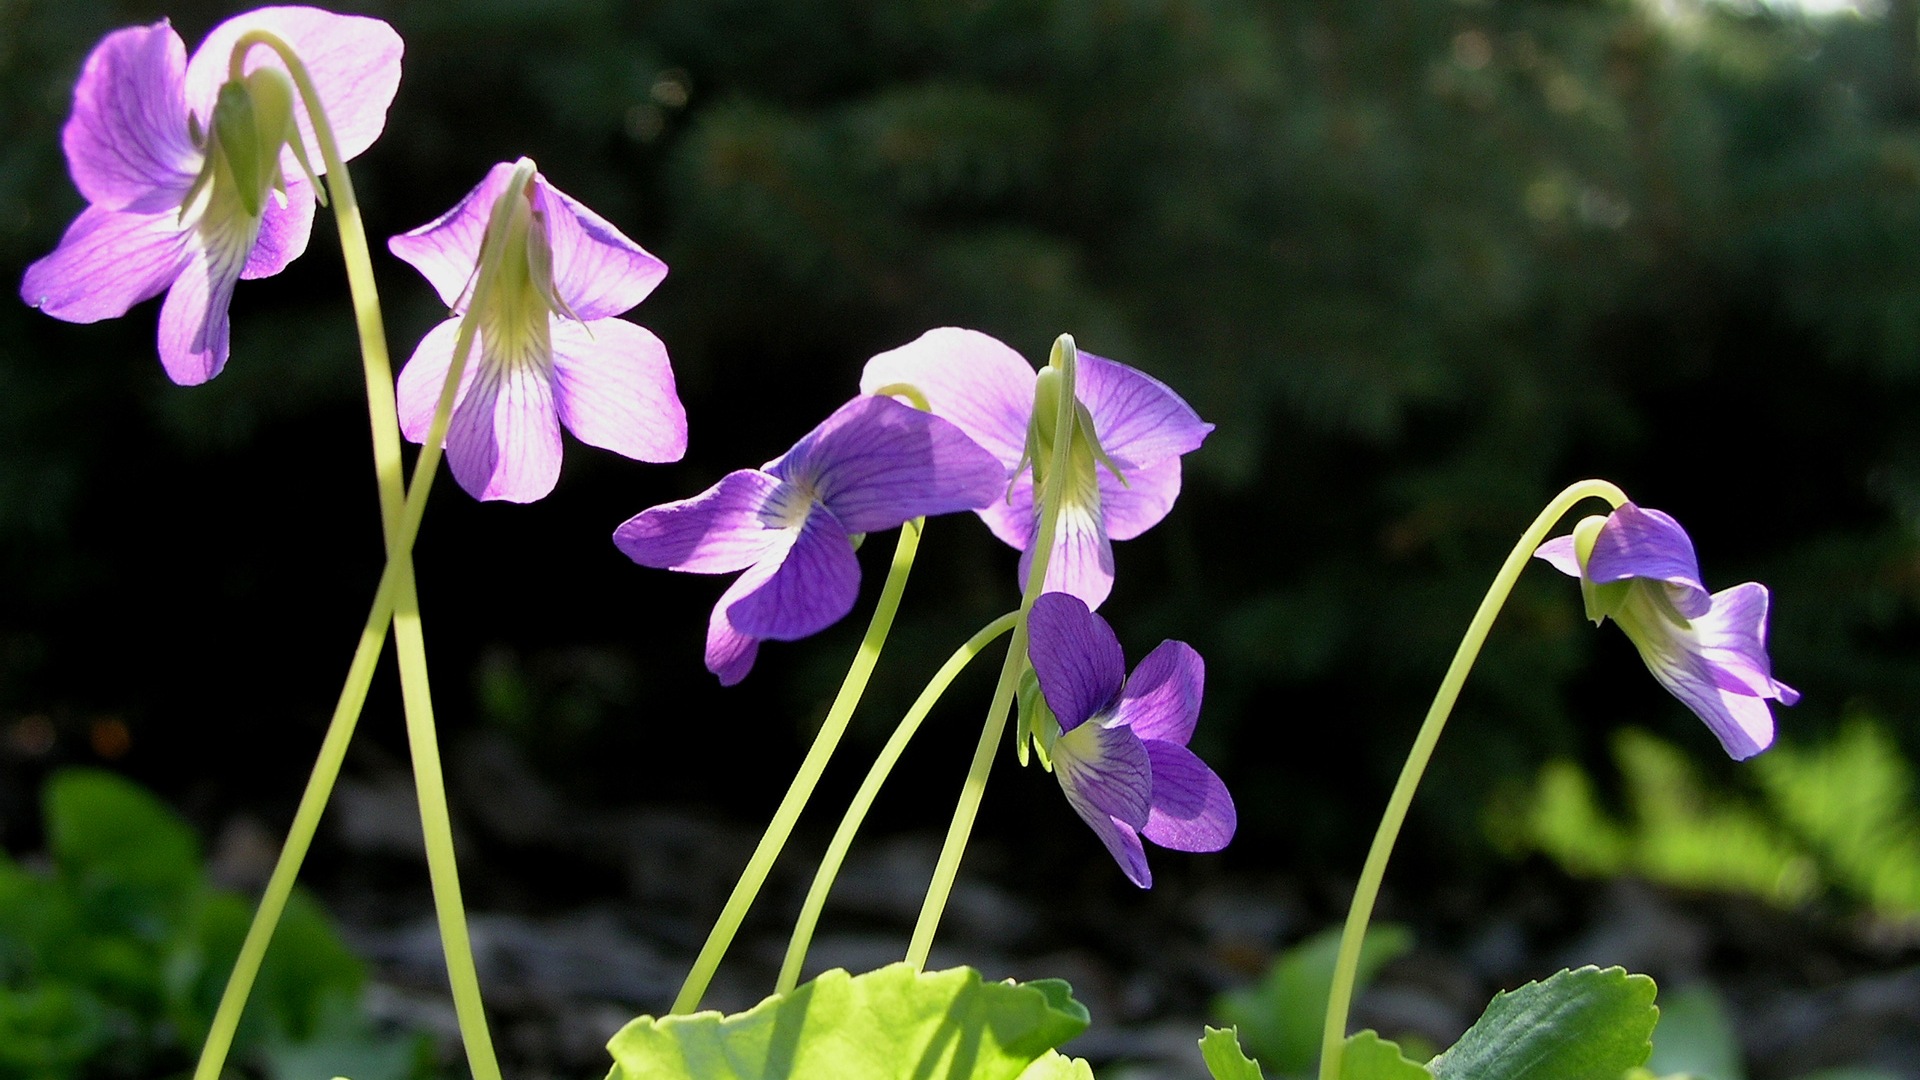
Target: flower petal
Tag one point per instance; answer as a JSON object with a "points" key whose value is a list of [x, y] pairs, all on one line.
{"points": [[1082, 559], [504, 439], [1076, 656], [1192, 810], [417, 392], [1132, 508], [973, 380], [1139, 419], [722, 529], [1733, 639], [730, 653], [284, 229], [615, 389], [193, 320], [1636, 543], [1559, 553], [354, 62], [596, 269], [446, 249], [126, 142], [1162, 696], [1716, 665], [877, 462], [812, 587], [108, 261], [1010, 515]]}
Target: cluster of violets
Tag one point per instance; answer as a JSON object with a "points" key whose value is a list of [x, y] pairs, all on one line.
{"points": [[202, 170]]}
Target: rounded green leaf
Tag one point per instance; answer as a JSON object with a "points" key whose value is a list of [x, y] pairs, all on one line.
{"points": [[1585, 1024]]}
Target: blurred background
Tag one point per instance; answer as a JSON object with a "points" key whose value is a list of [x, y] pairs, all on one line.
{"points": [[1423, 263]]}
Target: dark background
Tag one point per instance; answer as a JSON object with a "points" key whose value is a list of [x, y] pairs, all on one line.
{"points": [[1422, 263]]}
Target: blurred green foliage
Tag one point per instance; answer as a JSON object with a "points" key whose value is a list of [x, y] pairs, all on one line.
{"points": [[115, 948], [1279, 1020], [1422, 263], [1838, 819]]}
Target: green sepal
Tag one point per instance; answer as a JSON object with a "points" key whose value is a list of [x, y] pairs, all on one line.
{"points": [[1034, 721], [892, 1023], [1574, 1025], [252, 120], [1601, 600]]}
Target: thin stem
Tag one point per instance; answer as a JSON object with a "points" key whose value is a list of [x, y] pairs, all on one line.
{"points": [[947, 868], [804, 781], [870, 788], [400, 514], [1347, 963]]}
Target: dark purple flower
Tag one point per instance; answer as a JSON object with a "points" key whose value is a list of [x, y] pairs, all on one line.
{"points": [[1638, 568], [184, 201], [549, 351], [872, 465], [1121, 748], [1142, 426]]}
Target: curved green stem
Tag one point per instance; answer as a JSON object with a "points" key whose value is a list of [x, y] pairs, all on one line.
{"points": [[804, 781], [869, 789], [1048, 495], [1347, 963], [401, 511]]}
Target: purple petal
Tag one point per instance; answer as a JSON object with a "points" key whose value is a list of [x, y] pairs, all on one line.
{"points": [[596, 269], [446, 249], [504, 439], [126, 142], [1733, 639], [1636, 543], [354, 62], [724, 528], [1139, 420], [973, 380], [1191, 808], [1010, 515], [1082, 559], [877, 462], [108, 261], [1134, 507], [730, 653], [284, 229], [1162, 697], [813, 586], [1108, 780], [1560, 554], [1076, 657], [1716, 665], [193, 320], [615, 389], [417, 392]]}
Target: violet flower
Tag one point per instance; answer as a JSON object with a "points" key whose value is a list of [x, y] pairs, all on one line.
{"points": [[790, 525], [194, 181], [1638, 567], [1124, 475], [549, 351], [1120, 750]]}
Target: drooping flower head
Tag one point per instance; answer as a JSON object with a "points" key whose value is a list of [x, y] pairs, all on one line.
{"points": [[790, 525], [545, 277], [196, 178], [1118, 743], [1638, 568], [1123, 474]]}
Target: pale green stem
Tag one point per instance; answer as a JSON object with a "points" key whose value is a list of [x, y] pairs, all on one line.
{"points": [[804, 781], [400, 513], [869, 789], [947, 868], [1347, 963]]}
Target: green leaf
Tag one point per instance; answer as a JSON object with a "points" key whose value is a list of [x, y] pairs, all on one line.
{"points": [[1220, 1049], [1053, 1065], [894, 1022], [133, 862], [1280, 1020], [1585, 1024], [1367, 1056], [1695, 1038]]}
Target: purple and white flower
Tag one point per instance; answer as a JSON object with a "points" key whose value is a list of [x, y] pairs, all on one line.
{"points": [[188, 196], [1638, 567], [549, 351], [1121, 749], [790, 525], [1141, 427]]}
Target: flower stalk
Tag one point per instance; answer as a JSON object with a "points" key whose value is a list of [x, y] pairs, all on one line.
{"points": [[1367, 890]]}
